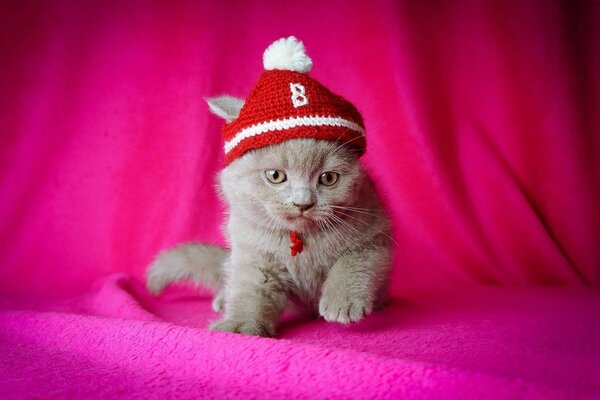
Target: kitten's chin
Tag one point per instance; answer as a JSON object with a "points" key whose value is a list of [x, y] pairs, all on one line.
{"points": [[299, 223]]}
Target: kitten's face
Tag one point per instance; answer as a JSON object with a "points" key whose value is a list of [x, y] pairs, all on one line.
{"points": [[296, 185]]}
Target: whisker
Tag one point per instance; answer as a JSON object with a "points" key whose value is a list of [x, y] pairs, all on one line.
{"points": [[371, 226], [355, 210], [359, 208], [340, 145], [352, 235], [333, 234]]}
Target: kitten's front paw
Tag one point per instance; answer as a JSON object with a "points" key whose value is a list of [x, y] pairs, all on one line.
{"points": [[343, 309], [249, 327]]}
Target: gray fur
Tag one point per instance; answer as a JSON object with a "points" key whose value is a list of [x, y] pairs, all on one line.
{"points": [[343, 272], [181, 263], [226, 107]]}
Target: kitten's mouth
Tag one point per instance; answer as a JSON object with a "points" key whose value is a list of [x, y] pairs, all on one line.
{"points": [[299, 221], [297, 217]]}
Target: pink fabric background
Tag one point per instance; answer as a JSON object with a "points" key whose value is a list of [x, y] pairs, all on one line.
{"points": [[483, 133], [481, 116]]}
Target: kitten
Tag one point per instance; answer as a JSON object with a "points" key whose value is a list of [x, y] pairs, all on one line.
{"points": [[342, 272], [305, 223]]}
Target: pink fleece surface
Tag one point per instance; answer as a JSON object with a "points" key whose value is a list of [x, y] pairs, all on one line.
{"points": [[483, 343], [483, 136]]}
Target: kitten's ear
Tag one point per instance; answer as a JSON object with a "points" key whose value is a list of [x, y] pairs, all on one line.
{"points": [[226, 107]]}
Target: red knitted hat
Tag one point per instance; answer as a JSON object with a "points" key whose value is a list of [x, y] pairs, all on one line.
{"points": [[288, 104]]}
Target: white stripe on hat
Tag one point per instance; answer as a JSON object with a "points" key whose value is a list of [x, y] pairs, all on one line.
{"points": [[289, 123]]}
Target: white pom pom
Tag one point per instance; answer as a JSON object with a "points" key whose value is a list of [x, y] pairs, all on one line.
{"points": [[288, 54]]}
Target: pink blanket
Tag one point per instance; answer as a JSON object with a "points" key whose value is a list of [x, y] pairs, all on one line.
{"points": [[483, 135], [484, 343]]}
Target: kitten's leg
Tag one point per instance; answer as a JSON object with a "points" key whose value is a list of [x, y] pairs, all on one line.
{"points": [[355, 285], [255, 296]]}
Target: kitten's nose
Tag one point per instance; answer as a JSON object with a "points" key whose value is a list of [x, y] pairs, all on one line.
{"points": [[304, 206], [303, 198]]}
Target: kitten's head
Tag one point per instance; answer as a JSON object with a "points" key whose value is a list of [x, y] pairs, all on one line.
{"points": [[292, 149], [295, 185]]}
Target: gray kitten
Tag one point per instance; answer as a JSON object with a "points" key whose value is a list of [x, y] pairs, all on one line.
{"points": [[324, 195], [305, 224]]}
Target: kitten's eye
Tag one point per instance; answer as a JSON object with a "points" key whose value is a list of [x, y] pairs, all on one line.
{"points": [[275, 176], [329, 178]]}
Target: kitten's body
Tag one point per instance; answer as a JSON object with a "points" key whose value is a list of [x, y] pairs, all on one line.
{"points": [[342, 272]]}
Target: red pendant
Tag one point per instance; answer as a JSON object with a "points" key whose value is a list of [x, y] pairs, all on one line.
{"points": [[297, 245]]}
